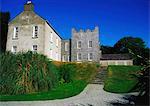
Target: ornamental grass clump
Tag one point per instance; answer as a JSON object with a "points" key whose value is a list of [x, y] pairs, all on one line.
{"points": [[25, 73]]}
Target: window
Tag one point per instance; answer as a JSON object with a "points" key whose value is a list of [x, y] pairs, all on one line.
{"points": [[35, 32], [63, 59], [90, 56], [57, 42], [66, 46], [79, 44], [68, 58], [14, 49], [16, 30], [34, 48], [51, 53], [51, 37], [90, 44], [78, 56]]}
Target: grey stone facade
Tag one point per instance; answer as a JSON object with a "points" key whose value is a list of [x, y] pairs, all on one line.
{"points": [[85, 45], [66, 50]]}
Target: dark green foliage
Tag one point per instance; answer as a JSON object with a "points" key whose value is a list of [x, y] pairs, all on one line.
{"points": [[62, 91], [4, 19], [66, 72], [107, 49], [26, 73], [136, 45], [120, 78]]}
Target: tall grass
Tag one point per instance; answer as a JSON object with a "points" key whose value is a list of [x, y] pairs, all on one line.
{"points": [[24, 73]]}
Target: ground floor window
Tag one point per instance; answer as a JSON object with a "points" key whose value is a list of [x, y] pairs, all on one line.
{"points": [[90, 56], [14, 49], [79, 57], [34, 48]]}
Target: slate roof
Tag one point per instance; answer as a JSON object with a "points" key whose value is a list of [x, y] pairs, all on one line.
{"points": [[115, 57]]}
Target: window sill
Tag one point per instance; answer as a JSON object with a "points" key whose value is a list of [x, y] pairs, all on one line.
{"points": [[14, 38], [34, 37]]}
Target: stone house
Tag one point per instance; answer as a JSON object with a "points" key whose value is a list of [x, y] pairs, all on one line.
{"points": [[29, 31]]}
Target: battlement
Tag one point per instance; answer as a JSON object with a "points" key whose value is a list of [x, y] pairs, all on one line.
{"points": [[85, 31]]}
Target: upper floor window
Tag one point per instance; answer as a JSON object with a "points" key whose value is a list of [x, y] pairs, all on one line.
{"points": [[16, 30], [79, 57], [35, 32], [79, 44], [90, 44], [34, 48], [51, 37], [90, 56], [66, 46], [57, 42], [14, 49]]}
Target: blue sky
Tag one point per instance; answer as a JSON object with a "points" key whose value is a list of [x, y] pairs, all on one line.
{"points": [[115, 18]]}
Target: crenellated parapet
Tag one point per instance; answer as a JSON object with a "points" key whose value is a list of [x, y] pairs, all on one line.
{"points": [[96, 29]]}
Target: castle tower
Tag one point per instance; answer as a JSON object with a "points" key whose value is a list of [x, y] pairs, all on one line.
{"points": [[85, 45]]}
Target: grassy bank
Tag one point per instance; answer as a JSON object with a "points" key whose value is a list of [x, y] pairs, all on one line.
{"points": [[31, 76], [120, 79]]}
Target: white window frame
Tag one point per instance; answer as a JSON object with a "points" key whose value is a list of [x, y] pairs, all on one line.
{"points": [[51, 53], [78, 57], [51, 37], [68, 58], [16, 30], [33, 34], [33, 49], [66, 46], [14, 49], [57, 43], [78, 45], [63, 58], [89, 56], [89, 44]]}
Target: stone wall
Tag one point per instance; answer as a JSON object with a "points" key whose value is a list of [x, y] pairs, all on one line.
{"points": [[25, 22], [85, 37], [51, 49], [116, 62], [66, 50]]}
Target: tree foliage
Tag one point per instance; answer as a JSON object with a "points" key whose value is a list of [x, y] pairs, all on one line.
{"points": [[4, 19], [125, 44]]}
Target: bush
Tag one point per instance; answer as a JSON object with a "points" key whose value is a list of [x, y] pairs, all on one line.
{"points": [[26, 73]]}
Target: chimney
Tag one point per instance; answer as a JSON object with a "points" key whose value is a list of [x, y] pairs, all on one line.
{"points": [[29, 6]]}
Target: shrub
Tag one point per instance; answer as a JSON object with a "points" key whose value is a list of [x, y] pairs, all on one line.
{"points": [[66, 72], [26, 73]]}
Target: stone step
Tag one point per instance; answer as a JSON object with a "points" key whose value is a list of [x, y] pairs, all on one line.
{"points": [[100, 77]]}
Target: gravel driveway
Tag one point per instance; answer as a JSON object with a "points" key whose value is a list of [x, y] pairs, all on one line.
{"points": [[93, 95]]}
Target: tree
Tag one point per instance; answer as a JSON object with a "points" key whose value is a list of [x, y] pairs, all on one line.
{"points": [[107, 49], [4, 19], [136, 45]]}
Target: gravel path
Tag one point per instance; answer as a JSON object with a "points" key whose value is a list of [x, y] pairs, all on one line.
{"points": [[92, 95]]}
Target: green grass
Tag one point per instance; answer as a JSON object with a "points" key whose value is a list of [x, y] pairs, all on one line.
{"points": [[62, 91], [120, 79]]}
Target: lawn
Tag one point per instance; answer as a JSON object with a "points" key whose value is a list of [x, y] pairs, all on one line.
{"points": [[120, 79], [62, 91]]}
